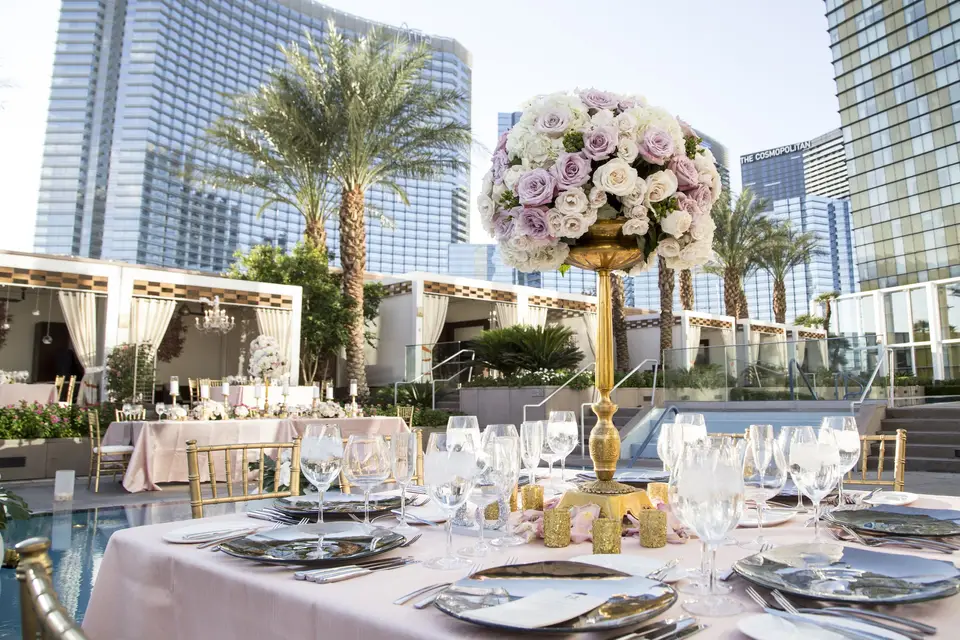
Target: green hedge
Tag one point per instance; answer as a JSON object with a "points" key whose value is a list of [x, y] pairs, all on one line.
{"points": [[31, 421]]}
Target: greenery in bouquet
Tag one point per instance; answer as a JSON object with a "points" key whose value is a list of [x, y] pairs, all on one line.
{"points": [[575, 158]]}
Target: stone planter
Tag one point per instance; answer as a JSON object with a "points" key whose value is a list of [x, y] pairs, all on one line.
{"points": [[42, 458], [504, 405]]}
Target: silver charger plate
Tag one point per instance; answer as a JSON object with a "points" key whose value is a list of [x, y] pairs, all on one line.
{"points": [[342, 541], [630, 599], [898, 520], [850, 574], [302, 507]]}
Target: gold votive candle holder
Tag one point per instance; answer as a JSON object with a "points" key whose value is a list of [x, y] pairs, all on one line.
{"points": [[492, 511], [556, 528], [658, 490], [653, 528], [513, 499], [532, 496], [606, 535]]}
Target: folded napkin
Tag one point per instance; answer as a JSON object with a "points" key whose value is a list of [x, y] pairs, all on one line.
{"points": [[539, 609]]}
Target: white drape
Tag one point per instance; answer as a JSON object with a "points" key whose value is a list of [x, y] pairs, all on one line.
{"points": [[506, 314], [781, 350], [754, 347], [80, 314], [590, 322], [729, 351], [149, 319], [824, 355], [801, 352], [434, 317], [276, 324], [693, 344], [537, 316]]}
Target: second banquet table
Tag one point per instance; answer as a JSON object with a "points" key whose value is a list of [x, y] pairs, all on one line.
{"points": [[15, 393], [160, 446]]}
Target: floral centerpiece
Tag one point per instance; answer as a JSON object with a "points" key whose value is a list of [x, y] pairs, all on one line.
{"points": [[265, 358], [208, 410], [575, 158], [329, 409], [241, 411], [10, 377]]}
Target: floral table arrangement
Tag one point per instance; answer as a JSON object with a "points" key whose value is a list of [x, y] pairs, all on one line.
{"points": [[10, 377], [266, 360]]}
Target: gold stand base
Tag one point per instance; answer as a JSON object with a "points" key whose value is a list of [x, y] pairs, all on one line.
{"points": [[612, 505], [607, 488]]}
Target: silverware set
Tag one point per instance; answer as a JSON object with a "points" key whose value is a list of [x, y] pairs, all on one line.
{"points": [[847, 534], [665, 629], [362, 568], [275, 515]]}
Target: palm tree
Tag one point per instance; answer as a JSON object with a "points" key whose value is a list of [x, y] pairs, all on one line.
{"points": [[619, 322], [665, 280], [743, 230], [686, 289], [382, 122], [825, 299], [787, 249], [275, 131]]}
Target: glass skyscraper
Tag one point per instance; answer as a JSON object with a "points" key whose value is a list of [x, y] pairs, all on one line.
{"points": [[136, 83], [814, 167], [897, 68]]}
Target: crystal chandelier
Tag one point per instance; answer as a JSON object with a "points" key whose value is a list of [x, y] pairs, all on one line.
{"points": [[215, 319]]}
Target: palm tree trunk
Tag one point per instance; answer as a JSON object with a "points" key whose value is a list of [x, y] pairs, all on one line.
{"points": [[686, 289], [619, 322], [353, 261], [780, 301], [665, 278], [742, 306], [315, 234], [731, 292], [826, 316]]}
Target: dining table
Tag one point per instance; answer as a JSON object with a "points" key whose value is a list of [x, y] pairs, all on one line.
{"points": [[13, 393], [179, 591], [244, 394]]}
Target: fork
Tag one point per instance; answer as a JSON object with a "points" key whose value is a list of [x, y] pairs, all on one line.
{"points": [[875, 617], [846, 632], [429, 600], [913, 543], [216, 543]]}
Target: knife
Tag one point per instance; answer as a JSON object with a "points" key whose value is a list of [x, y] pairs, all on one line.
{"points": [[689, 631], [660, 630]]}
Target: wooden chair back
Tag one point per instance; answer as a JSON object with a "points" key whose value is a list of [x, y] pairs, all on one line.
{"points": [[405, 413], [193, 388], [42, 615], [867, 444], [417, 476], [230, 452], [125, 416], [93, 422], [58, 384], [70, 385]]}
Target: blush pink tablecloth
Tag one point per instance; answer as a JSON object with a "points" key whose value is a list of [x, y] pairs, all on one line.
{"points": [[13, 393], [147, 589]]}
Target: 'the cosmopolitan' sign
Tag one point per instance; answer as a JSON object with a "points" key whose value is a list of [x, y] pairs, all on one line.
{"points": [[772, 153]]}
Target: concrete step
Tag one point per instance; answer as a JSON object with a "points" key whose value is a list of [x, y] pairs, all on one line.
{"points": [[929, 411], [929, 437], [928, 451], [924, 424], [914, 463]]}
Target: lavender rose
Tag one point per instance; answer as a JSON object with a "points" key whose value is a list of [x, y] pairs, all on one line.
{"points": [[686, 171], [656, 146], [553, 122], [600, 143], [533, 222], [571, 170], [596, 99], [702, 195], [686, 129], [502, 142], [503, 224], [500, 164], [536, 187], [688, 204]]}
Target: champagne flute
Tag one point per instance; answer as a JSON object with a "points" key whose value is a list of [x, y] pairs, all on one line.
{"points": [[531, 445], [764, 473], [366, 463], [548, 455], [403, 446], [815, 465], [495, 468], [321, 456], [848, 441], [512, 477], [449, 466], [563, 434], [785, 439], [669, 444]]}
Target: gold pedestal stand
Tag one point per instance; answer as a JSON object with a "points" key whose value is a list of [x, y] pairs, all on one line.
{"points": [[604, 249]]}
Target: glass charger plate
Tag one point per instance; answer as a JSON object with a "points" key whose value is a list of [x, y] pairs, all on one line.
{"points": [[630, 599], [342, 541], [303, 507], [850, 574], [895, 520]]}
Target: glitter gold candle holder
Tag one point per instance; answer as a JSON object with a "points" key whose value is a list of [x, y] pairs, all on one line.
{"points": [[606, 535], [653, 528], [556, 528], [532, 497], [513, 499], [492, 511], [658, 490]]}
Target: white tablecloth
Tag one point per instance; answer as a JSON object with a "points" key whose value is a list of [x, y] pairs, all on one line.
{"points": [[14, 393], [382, 425], [147, 589], [243, 394]]}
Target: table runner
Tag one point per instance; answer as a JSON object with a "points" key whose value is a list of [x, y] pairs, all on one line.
{"points": [[15, 392], [176, 591]]}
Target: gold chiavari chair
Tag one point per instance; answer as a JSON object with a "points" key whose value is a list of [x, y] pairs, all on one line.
{"points": [[193, 388], [125, 416], [58, 384], [417, 476], [867, 444], [197, 499], [70, 385], [41, 614], [405, 413], [109, 458]]}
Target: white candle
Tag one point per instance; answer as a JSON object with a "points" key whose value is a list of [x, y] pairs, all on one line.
{"points": [[286, 386], [329, 392], [225, 390], [205, 391], [174, 386], [316, 390], [258, 391], [353, 387]]}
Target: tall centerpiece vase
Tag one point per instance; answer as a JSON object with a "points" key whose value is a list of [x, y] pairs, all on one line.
{"points": [[603, 182]]}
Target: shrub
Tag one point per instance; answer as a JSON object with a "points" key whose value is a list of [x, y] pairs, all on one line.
{"points": [[535, 379], [708, 376], [422, 417], [525, 348], [31, 421]]}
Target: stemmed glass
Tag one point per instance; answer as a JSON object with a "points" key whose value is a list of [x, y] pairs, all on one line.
{"points": [[691, 418], [366, 463], [404, 449], [495, 466], [460, 428], [562, 432], [707, 494], [764, 473], [785, 439], [815, 465], [498, 431], [161, 409], [848, 441], [669, 444], [321, 456], [448, 469], [531, 445], [547, 455], [512, 477]]}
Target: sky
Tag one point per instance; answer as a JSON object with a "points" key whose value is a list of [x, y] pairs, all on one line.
{"points": [[753, 74]]}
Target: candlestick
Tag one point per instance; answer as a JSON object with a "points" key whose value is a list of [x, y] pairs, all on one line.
{"points": [[174, 386], [353, 387], [205, 391], [316, 390], [330, 391]]}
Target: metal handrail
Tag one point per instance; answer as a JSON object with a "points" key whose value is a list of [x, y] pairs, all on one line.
{"points": [[882, 352], [756, 367], [653, 397], [653, 431], [557, 390], [796, 365], [847, 378], [396, 385], [433, 384]]}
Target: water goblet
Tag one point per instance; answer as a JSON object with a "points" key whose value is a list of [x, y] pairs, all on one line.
{"points": [[403, 446], [764, 474], [562, 433], [495, 466], [848, 442], [460, 428], [366, 463], [669, 444], [512, 476], [815, 465], [548, 455], [161, 409], [498, 431], [785, 439], [321, 456], [449, 465], [531, 445]]}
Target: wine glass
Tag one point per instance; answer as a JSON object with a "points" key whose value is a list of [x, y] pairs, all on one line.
{"points": [[669, 444], [460, 428], [513, 475], [321, 455], [547, 454], [784, 439], [691, 418], [498, 431], [403, 446], [562, 432], [848, 441], [764, 473], [161, 409], [495, 466], [707, 495], [366, 463], [448, 470], [815, 465], [531, 445]]}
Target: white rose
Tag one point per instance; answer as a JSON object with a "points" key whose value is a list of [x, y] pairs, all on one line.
{"points": [[627, 149], [668, 248], [616, 177], [520, 243], [679, 264], [598, 197], [627, 124], [677, 223], [704, 159], [498, 190], [694, 253], [590, 217], [572, 201], [555, 221], [661, 185], [716, 185], [485, 205], [487, 185], [637, 211], [573, 226], [602, 118], [635, 197], [512, 175], [702, 227], [636, 227]]}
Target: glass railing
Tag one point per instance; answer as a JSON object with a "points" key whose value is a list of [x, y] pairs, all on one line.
{"points": [[420, 359], [838, 368]]}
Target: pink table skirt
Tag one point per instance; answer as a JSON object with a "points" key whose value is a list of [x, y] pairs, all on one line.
{"points": [[16, 392], [176, 591]]}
